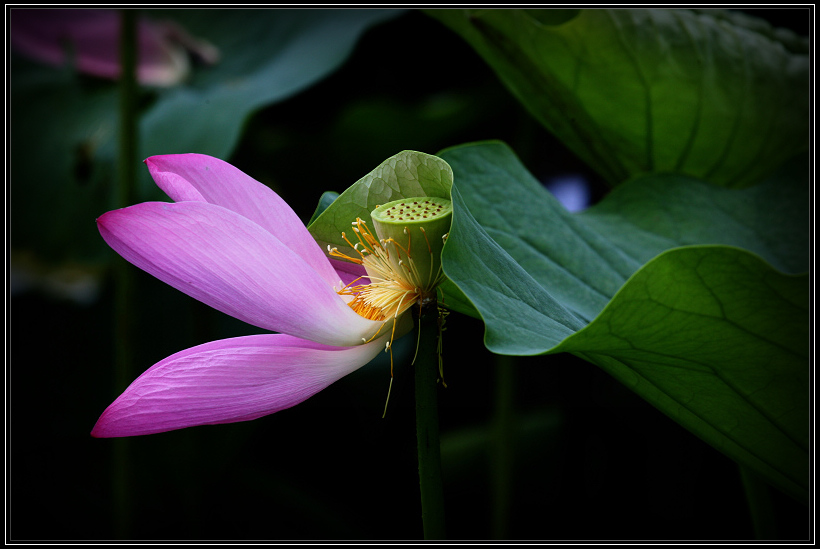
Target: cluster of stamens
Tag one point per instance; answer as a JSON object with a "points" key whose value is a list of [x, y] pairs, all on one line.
{"points": [[395, 281]]}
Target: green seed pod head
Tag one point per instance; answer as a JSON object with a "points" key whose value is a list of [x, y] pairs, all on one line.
{"points": [[413, 230]]}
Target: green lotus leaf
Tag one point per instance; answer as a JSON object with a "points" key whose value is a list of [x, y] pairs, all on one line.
{"points": [[689, 293], [711, 94], [403, 175]]}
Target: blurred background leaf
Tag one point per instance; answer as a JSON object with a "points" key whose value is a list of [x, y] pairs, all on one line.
{"points": [[267, 56], [64, 125]]}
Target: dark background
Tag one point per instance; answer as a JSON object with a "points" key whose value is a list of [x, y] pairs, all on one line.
{"points": [[589, 459]]}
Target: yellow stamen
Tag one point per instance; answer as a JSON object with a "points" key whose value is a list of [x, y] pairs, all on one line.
{"points": [[391, 290], [395, 281]]}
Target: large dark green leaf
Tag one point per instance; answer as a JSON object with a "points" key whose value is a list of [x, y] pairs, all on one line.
{"points": [[709, 94], [676, 287], [718, 340]]}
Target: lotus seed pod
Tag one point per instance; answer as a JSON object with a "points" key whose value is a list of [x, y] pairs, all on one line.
{"points": [[413, 232]]}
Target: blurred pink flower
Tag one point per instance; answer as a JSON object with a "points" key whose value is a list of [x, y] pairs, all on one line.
{"points": [[232, 243], [90, 38]]}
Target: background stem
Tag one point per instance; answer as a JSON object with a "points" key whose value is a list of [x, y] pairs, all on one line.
{"points": [[760, 504], [124, 344], [503, 444], [429, 449]]}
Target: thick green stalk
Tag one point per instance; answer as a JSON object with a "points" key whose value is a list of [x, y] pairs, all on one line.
{"points": [[124, 291], [429, 448]]}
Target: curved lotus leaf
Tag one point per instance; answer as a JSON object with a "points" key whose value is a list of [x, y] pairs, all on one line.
{"points": [[712, 94], [403, 175], [719, 340], [689, 293]]}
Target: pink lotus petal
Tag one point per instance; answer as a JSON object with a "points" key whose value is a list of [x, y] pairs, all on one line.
{"points": [[205, 178], [227, 381], [92, 37], [232, 264]]}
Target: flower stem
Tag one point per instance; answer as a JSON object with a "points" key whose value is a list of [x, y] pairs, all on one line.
{"points": [[124, 297], [426, 367]]}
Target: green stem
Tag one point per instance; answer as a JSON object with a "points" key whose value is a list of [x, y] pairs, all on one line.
{"points": [[128, 108], [124, 290], [503, 440], [426, 368], [760, 504]]}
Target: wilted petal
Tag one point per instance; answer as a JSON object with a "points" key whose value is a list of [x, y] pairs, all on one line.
{"points": [[207, 179], [92, 38], [161, 60], [229, 380], [200, 49], [234, 265]]}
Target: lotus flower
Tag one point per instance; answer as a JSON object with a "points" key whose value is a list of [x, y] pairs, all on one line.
{"points": [[92, 38], [232, 243]]}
